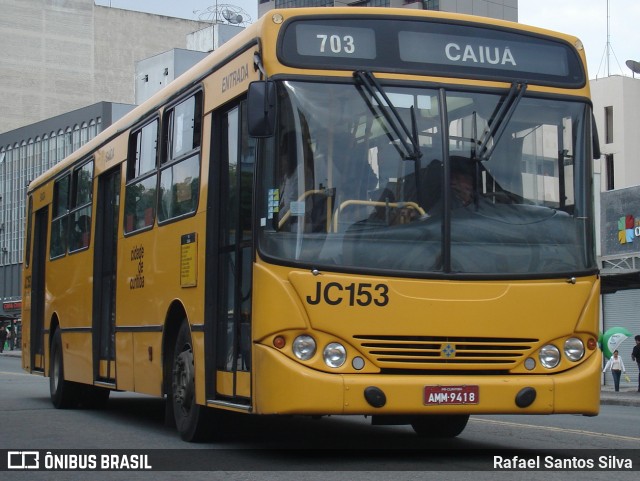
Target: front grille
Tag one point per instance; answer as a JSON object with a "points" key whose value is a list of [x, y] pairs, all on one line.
{"points": [[433, 352]]}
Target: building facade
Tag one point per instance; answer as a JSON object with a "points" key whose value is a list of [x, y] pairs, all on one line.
{"points": [[616, 108], [25, 153], [156, 72], [58, 56]]}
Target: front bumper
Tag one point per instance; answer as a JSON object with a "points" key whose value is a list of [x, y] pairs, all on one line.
{"points": [[282, 386]]}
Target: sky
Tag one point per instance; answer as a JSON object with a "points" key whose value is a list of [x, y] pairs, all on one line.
{"points": [[586, 19]]}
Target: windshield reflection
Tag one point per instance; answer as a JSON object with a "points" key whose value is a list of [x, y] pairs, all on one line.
{"points": [[488, 194]]}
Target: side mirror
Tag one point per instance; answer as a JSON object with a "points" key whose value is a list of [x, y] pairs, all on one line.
{"points": [[261, 108]]}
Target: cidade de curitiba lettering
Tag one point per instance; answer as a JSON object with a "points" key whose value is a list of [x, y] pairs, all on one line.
{"points": [[137, 258], [234, 78], [479, 54]]}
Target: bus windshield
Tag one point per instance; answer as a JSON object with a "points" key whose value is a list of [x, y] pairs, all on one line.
{"points": [[416, 181]]}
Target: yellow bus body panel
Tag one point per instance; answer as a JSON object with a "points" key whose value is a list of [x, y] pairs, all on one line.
{"points": [[536, 312], [69, 293], [149, 280]]}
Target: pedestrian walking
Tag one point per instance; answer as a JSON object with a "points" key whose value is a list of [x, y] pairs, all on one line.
{"points": [[635, 355], [3, 337], [11, 337], [616, 366]]}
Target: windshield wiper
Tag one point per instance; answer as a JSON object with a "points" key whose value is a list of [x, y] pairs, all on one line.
{"points": [[374, 89], [501, 120]]}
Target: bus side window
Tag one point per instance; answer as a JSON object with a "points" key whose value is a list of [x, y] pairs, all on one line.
{"points": [[180, 165], [60, 217], [140, 197], [81, 197]]}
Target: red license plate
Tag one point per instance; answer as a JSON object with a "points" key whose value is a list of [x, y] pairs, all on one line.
{"points": [[446, 395]]}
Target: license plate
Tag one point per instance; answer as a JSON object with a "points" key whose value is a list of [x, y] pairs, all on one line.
{"points": [[446, 395]]}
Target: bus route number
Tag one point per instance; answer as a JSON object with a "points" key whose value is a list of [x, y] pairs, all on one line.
{"points": [[354, 294], [336, 43]]}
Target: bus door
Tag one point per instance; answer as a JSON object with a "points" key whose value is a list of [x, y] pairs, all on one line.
{"points": [[104, 286], [234, 257], [37, 288]]}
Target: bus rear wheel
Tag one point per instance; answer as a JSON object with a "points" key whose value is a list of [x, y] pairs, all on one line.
{"points": [[64, 394], [440, 425], [192, 420]]}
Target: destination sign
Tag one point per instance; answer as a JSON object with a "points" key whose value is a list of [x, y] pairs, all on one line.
{"points": [[335, 41], [478, 51], [429, 47]]}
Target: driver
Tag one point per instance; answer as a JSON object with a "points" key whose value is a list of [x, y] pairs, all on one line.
{"points": [[462, 181]]}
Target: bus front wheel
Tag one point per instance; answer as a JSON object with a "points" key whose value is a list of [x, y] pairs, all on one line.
{"points": [[440, 426], [192, 420], [64, 394]]}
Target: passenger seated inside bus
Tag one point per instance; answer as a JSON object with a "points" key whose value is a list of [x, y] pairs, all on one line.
{"points": [[321, 177], [81, 232], [464, 186], [462, 182], [298, 205]]}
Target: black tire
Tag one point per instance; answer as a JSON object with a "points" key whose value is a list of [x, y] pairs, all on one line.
{"points": [[192, 420], [440, 426], [64, 394]]}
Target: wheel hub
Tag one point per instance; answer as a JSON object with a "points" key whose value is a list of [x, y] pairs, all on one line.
{"points": [[183, 385]]}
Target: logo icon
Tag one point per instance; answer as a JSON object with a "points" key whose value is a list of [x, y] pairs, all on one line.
{"points": [[448, 351], [626, 229], [23, 460]]}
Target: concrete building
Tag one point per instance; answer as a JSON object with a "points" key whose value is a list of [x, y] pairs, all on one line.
{"points": [[59, 56], [155, 72], [616, 107]]}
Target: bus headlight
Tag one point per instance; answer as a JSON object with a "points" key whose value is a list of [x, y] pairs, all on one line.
{"points": [[549, 356], [304, 347], [573, 349], [334, 355]]}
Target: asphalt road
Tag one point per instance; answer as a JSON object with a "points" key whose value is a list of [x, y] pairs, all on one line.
{"points": [[301, 448]]}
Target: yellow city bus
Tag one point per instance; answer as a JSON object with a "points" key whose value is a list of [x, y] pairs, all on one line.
{"points": [[341, 211]]}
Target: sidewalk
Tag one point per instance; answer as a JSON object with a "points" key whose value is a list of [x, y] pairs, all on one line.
{"points": [[627, 396], [14, 353]]}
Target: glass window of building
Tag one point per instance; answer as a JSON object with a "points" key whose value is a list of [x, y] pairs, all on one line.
{"points": [[84, 133], [76, 137]]}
